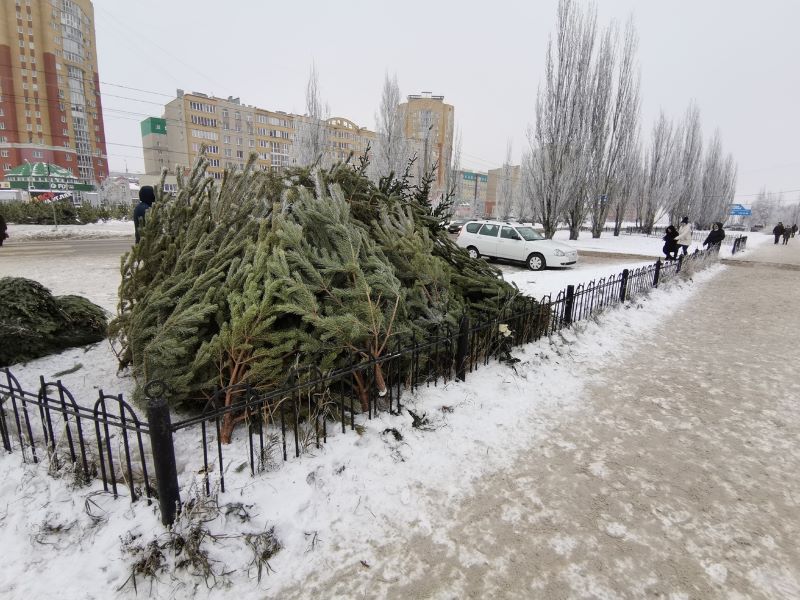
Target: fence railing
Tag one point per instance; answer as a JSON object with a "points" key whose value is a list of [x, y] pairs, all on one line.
{"points": [[107, 440], [264, 427]]}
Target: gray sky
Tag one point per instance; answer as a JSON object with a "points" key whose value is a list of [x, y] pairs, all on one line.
{"points": [[738, 59]]}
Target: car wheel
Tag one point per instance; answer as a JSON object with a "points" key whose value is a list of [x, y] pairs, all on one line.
{"points": [[536, 262], [473, 252]]}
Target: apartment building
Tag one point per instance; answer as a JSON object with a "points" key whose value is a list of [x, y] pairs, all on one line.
{"points": [[470, 200], [504, 180], [429, 124], [50, 109], [230, 131]]}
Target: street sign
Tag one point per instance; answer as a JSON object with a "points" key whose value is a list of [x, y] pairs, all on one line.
{"points": [[737, 210]]}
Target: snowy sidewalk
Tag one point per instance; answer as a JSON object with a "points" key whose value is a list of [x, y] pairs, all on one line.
{"points": [[678, 479]]}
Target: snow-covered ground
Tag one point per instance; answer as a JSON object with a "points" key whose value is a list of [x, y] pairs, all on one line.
{"points": [[325, 506]]}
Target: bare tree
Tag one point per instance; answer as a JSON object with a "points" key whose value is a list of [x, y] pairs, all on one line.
{"points": [[659, 173], [557, 165], [718, 184], [615, 135], [688, 196], [310, 144], [629, 186], [765, 206], [392, 149]]}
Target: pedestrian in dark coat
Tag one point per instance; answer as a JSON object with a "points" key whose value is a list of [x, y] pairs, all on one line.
{"points": [[146, 197], [777, 231], [3, 229], [787, 233], [671, 247], [715, 236], [794, 229]]}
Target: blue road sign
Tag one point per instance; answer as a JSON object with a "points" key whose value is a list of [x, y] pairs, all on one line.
{"points": [[737, 210]]}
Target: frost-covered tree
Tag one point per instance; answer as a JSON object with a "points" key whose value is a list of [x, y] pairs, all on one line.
{"points": [[392, 151], [557, 165], [310, 144], [659, 183], [765, 207], [718, 184], [630, 186], [688, 196], [615, 130]]}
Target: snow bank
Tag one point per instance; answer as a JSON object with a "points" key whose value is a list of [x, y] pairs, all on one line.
{"points": [[109, 229]]}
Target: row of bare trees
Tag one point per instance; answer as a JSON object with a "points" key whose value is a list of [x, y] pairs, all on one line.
{"points": [[586, 160], [768, 208]]}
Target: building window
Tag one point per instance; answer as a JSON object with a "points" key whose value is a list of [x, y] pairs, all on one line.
{"points": [[4, 153], [38, 154], [68, 157], [2, 125], [240, 154], [226, 139]]}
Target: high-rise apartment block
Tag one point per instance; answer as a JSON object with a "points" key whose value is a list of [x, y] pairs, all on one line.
{"points": [[50, 109], [429, 124], [230, 131]]}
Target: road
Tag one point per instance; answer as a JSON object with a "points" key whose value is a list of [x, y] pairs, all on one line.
{"points": [[89, 268]]}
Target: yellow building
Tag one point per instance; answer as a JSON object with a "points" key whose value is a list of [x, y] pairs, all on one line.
{"points": [[230, 131], [429, 124], [50, 109]]}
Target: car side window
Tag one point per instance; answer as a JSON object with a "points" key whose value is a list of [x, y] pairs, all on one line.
{"points": [[473, 227], [489, 229], [509, 233]]}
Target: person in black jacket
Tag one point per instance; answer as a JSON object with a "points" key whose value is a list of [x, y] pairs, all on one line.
{"points": [[3, 228], [146, 197], [715, 236], [777, 231], [671, 246]]}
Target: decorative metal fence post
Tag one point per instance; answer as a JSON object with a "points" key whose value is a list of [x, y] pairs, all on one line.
{"points": [[569, 302], [462, 348], [160, 427], [680, 263], [623, 288], [657, 273]]}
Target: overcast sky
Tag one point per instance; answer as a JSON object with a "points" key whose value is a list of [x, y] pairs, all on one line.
{"points": [[738, 59]]}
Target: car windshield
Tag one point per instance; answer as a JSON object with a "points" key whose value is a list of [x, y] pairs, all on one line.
{"points": [[529, 234]]}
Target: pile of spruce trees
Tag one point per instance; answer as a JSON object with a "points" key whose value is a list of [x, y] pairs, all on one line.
{"points": [[239, 280]]}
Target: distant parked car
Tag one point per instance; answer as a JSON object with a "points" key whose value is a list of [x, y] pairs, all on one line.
{"points": [[455, 226], [514, 241]]}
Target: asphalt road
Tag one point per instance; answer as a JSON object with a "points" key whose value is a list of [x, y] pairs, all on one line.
{"points": [[90, 248]]}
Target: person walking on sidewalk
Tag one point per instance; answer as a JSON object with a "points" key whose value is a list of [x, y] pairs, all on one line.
{"points": [[715, 236], [787, 233], [777, 231], [146, 197], [794, 229], [670, 238], [685, 235], [3, 228]]}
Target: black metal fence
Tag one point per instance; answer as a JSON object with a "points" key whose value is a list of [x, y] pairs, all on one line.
{"points": [[107, 440], [265, 427]]}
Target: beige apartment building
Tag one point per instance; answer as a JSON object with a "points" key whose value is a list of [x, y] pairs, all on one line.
{"points": [[230, 131], [429, 124], [470, 200], [499, 179], [50, 109]]}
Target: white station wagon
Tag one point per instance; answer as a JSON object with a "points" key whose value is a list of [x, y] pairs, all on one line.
{"points": [[514, 241]]}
